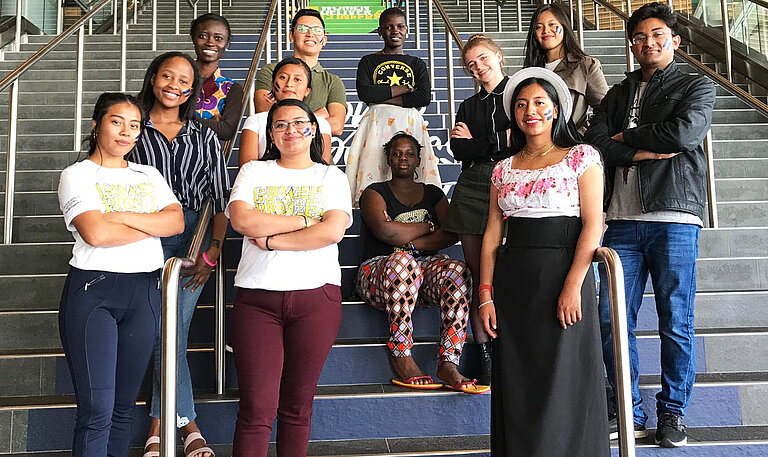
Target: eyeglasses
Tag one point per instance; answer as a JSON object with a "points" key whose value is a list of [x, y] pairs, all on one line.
{"points": [[658, 36], [298, 124], [303, 28]]}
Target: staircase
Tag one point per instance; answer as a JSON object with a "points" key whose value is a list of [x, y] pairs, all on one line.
{"points": [[357, 411]]}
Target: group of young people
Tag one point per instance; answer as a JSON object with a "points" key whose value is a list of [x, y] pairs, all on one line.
{"points": [[528, 207]]}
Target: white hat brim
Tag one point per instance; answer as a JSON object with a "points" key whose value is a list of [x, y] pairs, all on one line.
{"points": [[566, 101]]}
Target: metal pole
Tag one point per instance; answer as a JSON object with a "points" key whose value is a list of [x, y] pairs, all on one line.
{"points": [[498, 16], [123, 45], [580, 19], [268, 49], [194, 10], [90, 26], [407, 14], [154, 25], [10, 159], [469, 10], [617, 300], [221, 8], [430, 44], [482, 15], [279, 30], [597, 17], [288, 17], [177, 17], [570, 11], [17, 36], [711, 196], [169, 323], [79, 89], [449, 76], [209, 6], [417, 20], [628, 46], [59, 17], [251, 102], [114, 17], [219, 343], [519, 16], [726, 38], [135, 12]]}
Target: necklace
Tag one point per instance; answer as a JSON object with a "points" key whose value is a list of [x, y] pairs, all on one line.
{"points": [[528, 154]]}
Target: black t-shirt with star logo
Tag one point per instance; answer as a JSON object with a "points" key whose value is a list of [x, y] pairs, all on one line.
{"points": [[376, 73]]}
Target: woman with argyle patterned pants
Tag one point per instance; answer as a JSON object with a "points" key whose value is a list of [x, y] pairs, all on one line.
{"points": [[402, 270]]}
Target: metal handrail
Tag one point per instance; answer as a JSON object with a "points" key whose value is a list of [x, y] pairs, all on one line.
{"points": [[620, 339], [12, 81], [450, 33], [171, 272]]}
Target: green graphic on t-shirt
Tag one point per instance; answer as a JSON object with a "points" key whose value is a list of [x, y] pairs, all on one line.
{"points": [[290, 200], [349, 16], [132, 198]]}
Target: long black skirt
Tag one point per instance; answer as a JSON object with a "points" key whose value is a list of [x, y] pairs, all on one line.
{"points": [[548, 397]]}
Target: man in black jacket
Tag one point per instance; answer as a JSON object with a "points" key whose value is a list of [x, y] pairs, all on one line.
{"points": [[649, 129]]}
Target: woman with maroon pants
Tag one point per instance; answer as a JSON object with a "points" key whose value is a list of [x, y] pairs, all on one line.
{"points": [[292, 209]]}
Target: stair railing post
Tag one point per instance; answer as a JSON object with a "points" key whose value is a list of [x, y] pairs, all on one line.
{"points": [[449, 76], [177, 17], [597, 17], [76, 142], [618, 308], [469, 10], [154, 25], [580, 20], [221, 8], [169, 324], [482, 15], [135, 12], [251, 102], [628, 45], [570, 11], [194, 10], [219, 345], [17, 34], [288, 18], [279, 30], [209, 6], [114, 17], [124, 45], [726, 39], [711, 195], [498, 16], [417, 22], [268, 48], [10, 160], [407, 13], [519, 16], [59, 16], [430, 44]]}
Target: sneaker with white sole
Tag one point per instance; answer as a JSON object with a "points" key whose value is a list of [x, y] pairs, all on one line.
{"points": [[670, 431], [613, 429]]}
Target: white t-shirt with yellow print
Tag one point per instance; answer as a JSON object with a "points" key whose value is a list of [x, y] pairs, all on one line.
{"points": [[86, 186], [273, 189]]}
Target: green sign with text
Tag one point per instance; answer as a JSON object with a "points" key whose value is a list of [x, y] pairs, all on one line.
{"points": [[349, 16]]}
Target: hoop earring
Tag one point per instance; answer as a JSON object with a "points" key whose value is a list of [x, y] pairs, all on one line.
{"points": [[416, 174]]}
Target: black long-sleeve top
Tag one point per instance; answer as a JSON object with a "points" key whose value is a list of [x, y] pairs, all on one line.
{"points": [[376, 73], [484, 115]]}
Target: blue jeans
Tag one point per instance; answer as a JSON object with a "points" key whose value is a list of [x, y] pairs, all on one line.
{"points": [[107, 321], [178, 246], [668, 252]]}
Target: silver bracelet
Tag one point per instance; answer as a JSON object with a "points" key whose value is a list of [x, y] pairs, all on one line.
{"points": [[484, 303]]}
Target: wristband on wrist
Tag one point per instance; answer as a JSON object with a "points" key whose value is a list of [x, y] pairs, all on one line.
{"points": [[483, 287], [484, 303], [413, 247], [208, 262], [266, 243], [306, 221], [431, 226]]}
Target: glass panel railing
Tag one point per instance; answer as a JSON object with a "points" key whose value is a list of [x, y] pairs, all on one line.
{"points": [[749, 26]]}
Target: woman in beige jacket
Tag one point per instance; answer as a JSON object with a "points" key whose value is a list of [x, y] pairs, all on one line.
{"points": [[552, 44]]}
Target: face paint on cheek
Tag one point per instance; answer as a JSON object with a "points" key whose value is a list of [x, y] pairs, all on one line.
{"points": [[307, 132], [548, 114], [186, 92], [667, 44], [558, 30]]}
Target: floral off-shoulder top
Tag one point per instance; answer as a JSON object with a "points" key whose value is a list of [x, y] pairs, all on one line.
{"points": [[544, 192]]}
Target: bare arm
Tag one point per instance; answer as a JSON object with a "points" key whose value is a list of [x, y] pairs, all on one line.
{"points": [[329, 231], [166, 222], [494, 231], [263, 100], [390, 232], [249, 147], [97, 231], [439, 239], [591, 201], [327, 149], [202, 270], [337, 114], [251, 222]]}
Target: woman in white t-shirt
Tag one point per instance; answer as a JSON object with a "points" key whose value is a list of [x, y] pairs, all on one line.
{"points": [[117, 211], [291, 79], [292, 210]]}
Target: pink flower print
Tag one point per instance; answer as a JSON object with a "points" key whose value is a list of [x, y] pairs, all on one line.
{"points": [[576, 159], [497, 172], [540, 186], [524, 190], [506, 189]]}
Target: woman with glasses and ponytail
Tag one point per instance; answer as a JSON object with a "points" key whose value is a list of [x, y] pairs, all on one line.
{"points": [[292, 209], [110, 307]]}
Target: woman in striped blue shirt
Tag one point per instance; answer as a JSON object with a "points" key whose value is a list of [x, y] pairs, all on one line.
{"points": [[188, 155]]}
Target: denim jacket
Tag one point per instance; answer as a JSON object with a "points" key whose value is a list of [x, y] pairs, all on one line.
{"points": [[675, 115]]}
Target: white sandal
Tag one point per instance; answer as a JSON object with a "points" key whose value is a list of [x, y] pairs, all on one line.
{"points": [[192, 437], [154, 439]]}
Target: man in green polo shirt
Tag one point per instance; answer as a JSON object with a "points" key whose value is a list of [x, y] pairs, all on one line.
{"points": [[328, 97]]}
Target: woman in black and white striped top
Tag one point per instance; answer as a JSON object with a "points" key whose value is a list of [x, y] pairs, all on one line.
{"points": [[188, 155]]}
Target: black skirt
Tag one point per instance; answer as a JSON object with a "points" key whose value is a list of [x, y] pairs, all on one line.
{"points": [[548, 397]]}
